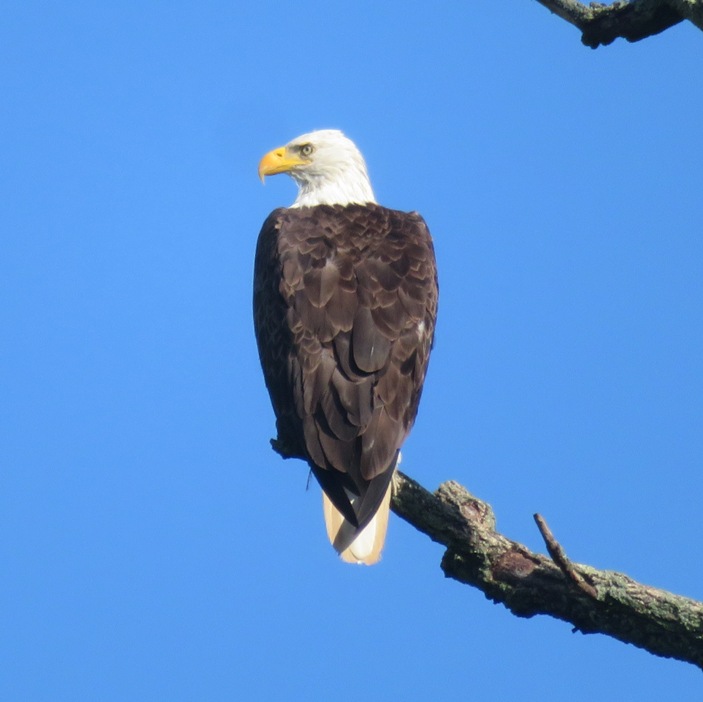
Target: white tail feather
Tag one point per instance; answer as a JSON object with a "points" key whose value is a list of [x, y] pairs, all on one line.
{"points": [[366, 547]]}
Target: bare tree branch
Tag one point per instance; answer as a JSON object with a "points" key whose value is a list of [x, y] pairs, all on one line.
{"points": [[527, 583], [602, 24]]}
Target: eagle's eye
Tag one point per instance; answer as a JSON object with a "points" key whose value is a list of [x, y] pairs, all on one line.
{"points": [[306, 149]]}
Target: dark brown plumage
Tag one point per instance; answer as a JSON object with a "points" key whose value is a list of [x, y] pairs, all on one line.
{"points": [[345, 300]]}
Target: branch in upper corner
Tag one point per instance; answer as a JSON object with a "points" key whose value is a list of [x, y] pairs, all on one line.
{"points": [[529, 583], [602, 24]]}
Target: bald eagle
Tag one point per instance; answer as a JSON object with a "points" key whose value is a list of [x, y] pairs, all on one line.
{"points": [[345, 301]]}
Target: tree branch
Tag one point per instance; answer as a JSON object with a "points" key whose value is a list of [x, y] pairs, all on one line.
{"points": [[601, 24], [527, 583]]}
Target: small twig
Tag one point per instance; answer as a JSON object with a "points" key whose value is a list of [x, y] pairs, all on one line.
{"points": [[560, 558]]}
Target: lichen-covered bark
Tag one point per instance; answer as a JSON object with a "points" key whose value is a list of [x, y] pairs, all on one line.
{"points": [[601, 24], [528, 583]]}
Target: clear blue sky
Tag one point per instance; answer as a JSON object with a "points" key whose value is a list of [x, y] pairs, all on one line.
{"points": [[152, 546]]}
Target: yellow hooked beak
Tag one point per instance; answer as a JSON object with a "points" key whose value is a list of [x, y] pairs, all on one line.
{"points": [[278, 161]]}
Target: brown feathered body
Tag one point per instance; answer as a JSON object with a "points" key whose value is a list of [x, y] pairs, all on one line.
{"points": [[345, 301]]}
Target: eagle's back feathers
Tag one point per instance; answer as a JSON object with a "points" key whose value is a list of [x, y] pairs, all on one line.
{"points": [[345, 300]]}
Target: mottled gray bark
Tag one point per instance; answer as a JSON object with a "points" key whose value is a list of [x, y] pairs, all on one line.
{"points": [[527, 583], [602, 24]]}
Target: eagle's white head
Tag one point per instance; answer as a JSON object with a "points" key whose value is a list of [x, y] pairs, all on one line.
{"points": [[327, 167]]}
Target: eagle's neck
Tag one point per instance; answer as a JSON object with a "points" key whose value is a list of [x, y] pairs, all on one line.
{"points": [[346, 186]]}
